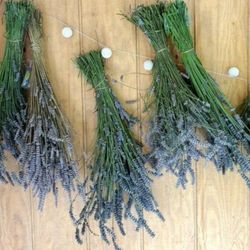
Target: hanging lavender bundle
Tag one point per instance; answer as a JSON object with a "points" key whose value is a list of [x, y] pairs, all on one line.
{"points": [[119, 180], [46, 156], [231, 132], [12, 103], [176, 111]]}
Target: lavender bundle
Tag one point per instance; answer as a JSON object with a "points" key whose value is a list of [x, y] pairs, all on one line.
{"points": [[230, 130], [119, 180], [46, 156], [12, 103], [176, 111]]}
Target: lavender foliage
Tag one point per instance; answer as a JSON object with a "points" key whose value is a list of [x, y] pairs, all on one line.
{"points": [[119, 181], [230, 134], [46, 152], [176, 113], [12, 102]]}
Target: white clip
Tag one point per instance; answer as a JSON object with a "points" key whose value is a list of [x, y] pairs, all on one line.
{"points": [[148, 65], [106, 53], [67, 32], [233, 72]]}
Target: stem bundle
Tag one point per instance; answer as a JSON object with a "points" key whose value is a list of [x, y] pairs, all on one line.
{"points": [[12, 103], [119, 179], [177, 111], [46, 156], [230, 131]]}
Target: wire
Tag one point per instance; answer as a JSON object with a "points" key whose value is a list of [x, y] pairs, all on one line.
{"points": [[129, 52]]}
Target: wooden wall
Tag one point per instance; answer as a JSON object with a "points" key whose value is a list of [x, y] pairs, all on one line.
{"points": [[214, 214]]}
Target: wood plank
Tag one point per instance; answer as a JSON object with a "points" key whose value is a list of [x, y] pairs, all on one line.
{"points": [[223, 201], [15, 216], [53, 225], [213, 215]]}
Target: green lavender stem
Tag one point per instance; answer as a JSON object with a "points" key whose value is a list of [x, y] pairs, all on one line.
{"points": [[17, 15]]}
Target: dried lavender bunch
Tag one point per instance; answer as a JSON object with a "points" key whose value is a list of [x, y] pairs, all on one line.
{"points": [[231, 132], [17, 15], [119, 179], [46, 156], [176, 111]]}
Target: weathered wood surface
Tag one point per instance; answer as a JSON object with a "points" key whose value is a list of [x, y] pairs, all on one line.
{"points": [[212, 215]]}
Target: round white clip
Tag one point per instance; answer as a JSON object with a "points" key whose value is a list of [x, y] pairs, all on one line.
{"points": [[148, 65], [234, 72], [67, 32], [106, 53]]}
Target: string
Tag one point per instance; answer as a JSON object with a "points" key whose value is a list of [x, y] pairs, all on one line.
{"points": [[227, 76], [129, 52], [95, 40], [12, 40], [188, 51], [146, 89], [161, 50]]}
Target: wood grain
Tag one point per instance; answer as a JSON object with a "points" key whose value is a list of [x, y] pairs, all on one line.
{"points": [[223, 201], [214, 214]]}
